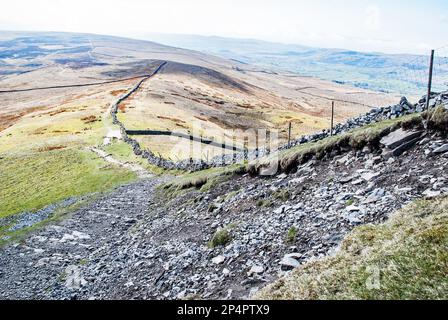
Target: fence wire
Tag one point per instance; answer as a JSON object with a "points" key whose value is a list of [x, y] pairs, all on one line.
{"points": [[407, 77]]}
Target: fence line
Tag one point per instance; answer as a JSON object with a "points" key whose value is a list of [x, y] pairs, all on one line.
{"points": [[410, 80]]}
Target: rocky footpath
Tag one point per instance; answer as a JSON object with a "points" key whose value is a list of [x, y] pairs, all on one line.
{"points": [[227, 243], [50, 263]]}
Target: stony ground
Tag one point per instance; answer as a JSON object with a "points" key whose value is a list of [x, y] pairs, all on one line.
{"points": [[135, 244]]}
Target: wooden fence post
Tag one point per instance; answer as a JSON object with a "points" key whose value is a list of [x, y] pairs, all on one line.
{"points": [[234, 148], [289, 135], [332, 118], [431, 67], [246, 149]]}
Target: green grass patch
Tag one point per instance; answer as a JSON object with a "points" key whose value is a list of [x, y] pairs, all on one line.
{"points": [[220, 238], [282, 194], [404, 258], [231, 194], [31, 181], [204, 180], [292, 234], [350, 202], [123, 152], [265, 203]]}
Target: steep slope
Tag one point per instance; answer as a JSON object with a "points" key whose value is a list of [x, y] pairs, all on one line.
{"points": [[404, 258], [224, 234], [68, 231]]}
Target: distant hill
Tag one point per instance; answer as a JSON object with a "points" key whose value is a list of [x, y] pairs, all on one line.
{"points": [[76, 76], [397, 73]]}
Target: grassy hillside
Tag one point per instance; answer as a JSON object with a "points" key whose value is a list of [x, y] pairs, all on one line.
{"points": [[44, 156], [357, 138], [405, 258], [290, 158], [123, 152], [34, 180]]}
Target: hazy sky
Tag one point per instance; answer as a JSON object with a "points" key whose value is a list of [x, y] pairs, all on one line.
{"points": [[368, 25]]}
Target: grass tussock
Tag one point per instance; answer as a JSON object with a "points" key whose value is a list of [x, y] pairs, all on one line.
{"points": [[51, 148], [203, 180], [220, 238], [438, 119], [292, 235], [404, 258], [90, 119], [282, 194], [264, 203]]}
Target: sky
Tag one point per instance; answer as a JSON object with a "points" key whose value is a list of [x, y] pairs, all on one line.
{"points": [[393, 26]]}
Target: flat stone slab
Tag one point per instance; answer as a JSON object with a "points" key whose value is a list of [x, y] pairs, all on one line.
{"points": [[398, 151], [288, 263], [399, 137], [441, 149]]}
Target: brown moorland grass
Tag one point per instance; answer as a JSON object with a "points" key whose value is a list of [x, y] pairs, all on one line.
{"points": [[90, 119], [9, 119], [51, 148], [116, 93]]}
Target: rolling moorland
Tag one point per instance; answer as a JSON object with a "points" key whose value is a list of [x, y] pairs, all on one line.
{"points": [[369, 70], [193, 88], [83, 216]]}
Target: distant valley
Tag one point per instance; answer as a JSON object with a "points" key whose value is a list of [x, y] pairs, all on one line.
{"points": [[398, 73]]}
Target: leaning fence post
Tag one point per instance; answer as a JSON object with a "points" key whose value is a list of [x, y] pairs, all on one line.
{"points": [[191, 147], [332, 118]]}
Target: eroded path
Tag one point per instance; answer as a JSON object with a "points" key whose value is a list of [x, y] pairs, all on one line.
{"points": [[139, 170], [64, 260]]}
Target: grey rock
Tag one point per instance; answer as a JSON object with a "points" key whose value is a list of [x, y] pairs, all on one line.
{"points": [[256, 269], [398, 138], [441, 149], [294, 255], [288, 263], [218, 260]]}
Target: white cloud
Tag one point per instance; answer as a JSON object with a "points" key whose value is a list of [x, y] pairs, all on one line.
{"points": [[444, 18], [373, 18]]}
